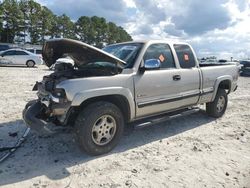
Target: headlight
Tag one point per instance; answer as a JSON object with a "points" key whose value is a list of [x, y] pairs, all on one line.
{"points": [[60, 93]]}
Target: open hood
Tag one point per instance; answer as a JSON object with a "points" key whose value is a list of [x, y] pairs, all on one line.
{"points": [[80, 52]]}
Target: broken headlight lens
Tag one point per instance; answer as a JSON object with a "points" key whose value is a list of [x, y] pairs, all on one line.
{"points": [[60, 93]]}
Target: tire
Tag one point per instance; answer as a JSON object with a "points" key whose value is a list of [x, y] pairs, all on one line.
{"points": [[99, 127], [30, 63], [218, 107]]}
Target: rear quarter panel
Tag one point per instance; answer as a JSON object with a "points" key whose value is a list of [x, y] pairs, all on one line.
{"points": [[212, 77]]}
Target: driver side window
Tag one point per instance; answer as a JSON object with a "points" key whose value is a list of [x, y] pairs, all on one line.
{"points": [[163, 53]]}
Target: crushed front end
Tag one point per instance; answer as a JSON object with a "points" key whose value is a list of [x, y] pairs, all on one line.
{"points": [[50, 111]]}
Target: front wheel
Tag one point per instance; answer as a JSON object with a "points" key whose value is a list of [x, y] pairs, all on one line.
{"points": [[218, 107], [99, 127]]}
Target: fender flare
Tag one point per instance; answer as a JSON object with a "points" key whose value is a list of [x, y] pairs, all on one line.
{"points": [[218, 81]]}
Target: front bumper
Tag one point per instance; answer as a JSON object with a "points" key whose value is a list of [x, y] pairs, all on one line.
{"points": [[31, 114]]}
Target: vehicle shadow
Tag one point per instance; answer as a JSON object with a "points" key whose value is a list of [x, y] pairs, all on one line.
{"points": [[51, 156]]}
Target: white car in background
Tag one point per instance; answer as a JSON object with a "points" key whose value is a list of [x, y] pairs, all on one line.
{"points": [[20, 57]]}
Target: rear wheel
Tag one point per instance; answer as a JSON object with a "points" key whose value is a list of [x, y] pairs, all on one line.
{"points": [[99, 127], [30, 63], [218, 107]]}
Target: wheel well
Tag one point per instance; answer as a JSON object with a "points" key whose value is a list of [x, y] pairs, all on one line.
{"points": [[120, 101], [225, 84]]}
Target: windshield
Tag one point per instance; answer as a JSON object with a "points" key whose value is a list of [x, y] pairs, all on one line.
{"points": [[126, 52]]}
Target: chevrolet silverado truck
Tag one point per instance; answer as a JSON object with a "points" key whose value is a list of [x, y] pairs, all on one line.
{"points": [[104, 90]]}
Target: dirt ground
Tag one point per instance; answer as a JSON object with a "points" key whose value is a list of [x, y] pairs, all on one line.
{"points": [[192, 151]]}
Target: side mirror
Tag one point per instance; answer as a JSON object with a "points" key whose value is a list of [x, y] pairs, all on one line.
{"points": [[152, 64]]}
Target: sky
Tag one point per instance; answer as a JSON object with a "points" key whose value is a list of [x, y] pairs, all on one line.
{"points": [[213, 27]]}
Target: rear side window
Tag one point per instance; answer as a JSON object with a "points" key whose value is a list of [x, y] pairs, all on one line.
{"points": [[20, 53], [161, 52], [185, 56]]}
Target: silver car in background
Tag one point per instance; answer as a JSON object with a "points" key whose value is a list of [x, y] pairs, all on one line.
{"points": [[20, 57]]}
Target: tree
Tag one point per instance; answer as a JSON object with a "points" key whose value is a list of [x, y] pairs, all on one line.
{"points": [[96, 31], [62, 27], [11, 20], [100, 28], [65, 27], [54, 31], [35, 22], [113, 33], [84, 29], [47, 18], [123, 35], [23, 20]]}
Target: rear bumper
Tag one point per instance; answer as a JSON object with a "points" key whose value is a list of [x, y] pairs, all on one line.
{"points": [[32, 110]]}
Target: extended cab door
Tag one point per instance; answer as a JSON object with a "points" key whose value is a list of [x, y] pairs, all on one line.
{"points": [[189, 75], [158, 90]]}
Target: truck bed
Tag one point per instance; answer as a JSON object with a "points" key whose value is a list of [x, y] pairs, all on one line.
{"points": [[211, 76]]}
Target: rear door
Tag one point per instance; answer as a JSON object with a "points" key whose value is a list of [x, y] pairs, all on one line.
{"points": [[20, 57], [189, 75], [156, 90]]}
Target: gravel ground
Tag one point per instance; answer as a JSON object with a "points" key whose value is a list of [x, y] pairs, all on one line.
{"points": [[192, 151]]}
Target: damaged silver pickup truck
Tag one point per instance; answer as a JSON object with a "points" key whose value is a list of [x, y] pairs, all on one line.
{"points": [[128, 82]]}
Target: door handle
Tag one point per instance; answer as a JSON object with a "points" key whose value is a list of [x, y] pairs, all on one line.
{"points": [[176, 77]]}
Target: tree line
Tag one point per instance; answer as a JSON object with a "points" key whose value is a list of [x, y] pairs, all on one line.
{"points": [[27, 21]]}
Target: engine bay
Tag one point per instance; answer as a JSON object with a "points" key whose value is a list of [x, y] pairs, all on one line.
{"points": [[64, 71]]}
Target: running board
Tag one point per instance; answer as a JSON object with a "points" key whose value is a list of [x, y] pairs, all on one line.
{"points": [[164, 117]]}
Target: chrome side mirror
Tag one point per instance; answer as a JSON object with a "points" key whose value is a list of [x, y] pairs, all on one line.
{"points": [[152, 64]]}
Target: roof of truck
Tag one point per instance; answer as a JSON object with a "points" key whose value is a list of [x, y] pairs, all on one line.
{"points": [[169, 41]]}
